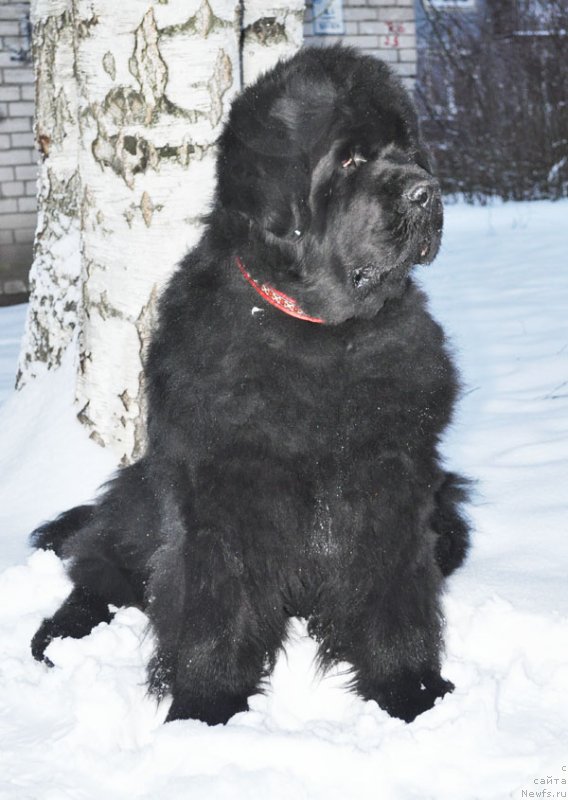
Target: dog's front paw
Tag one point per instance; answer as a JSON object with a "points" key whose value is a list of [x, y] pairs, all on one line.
{"points": [[45, 634], [217, 709], [76, 618], [410, 695]]}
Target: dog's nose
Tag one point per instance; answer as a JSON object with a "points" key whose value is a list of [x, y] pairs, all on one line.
{"points": [[421, 193]]}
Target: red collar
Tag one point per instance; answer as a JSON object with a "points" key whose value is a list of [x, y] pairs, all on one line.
{"points": [[278, 299]]}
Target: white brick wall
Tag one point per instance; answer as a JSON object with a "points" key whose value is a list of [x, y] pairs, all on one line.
{"points": [[17, 152], [383, 28]]}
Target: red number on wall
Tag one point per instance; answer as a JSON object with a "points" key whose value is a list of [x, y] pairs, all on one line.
{"points": [[394, 30]]}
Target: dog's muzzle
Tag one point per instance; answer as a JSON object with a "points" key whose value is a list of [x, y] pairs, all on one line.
{"points": [[423, 205]]}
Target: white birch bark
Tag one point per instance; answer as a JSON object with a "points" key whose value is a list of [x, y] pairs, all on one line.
{"points": [[272, 30], [131, 98], [155, 80], [55, 277]]}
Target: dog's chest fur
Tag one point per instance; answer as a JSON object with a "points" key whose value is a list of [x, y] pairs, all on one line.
{"points": [[321, 403], [321, 391]]}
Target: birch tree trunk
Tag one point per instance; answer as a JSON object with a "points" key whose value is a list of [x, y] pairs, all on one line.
{"points": [[55, 276], [151, 106], [131, 96]]}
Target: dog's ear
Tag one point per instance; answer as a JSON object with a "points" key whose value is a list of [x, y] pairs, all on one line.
{"points": [[268, 185], [267, 152], [269, 192], [286, 214]]}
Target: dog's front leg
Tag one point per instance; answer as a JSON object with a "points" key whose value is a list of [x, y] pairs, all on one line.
{"points": [[214, 657], [381, 610], [215, 606]]}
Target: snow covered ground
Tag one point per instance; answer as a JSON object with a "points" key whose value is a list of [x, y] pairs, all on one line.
{"points": [[86, 730]]}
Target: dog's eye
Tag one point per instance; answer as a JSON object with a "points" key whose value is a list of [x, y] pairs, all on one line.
{"points": [[354, 160], [361, 277]]}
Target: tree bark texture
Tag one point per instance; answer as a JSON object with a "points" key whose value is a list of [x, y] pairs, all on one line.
{"points": [[130, 101], [55, 276], [272, 29]]}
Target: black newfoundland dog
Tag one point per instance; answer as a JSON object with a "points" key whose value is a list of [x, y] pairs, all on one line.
{"points": [[297, 389]]}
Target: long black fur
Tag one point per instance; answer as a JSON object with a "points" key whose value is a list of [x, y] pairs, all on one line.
{"points": [[292, 468]]}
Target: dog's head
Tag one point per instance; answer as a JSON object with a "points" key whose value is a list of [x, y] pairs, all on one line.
{"points": [[322, 161]]}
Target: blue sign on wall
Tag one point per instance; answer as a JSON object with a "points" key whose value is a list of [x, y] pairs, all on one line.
{"points": [[328, 17]]}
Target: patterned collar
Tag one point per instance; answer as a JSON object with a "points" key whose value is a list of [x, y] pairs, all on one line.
{"points": [[278, 299]]}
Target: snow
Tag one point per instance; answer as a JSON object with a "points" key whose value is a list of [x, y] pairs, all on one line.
{"points": [[86, 729], [11, 327]]}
